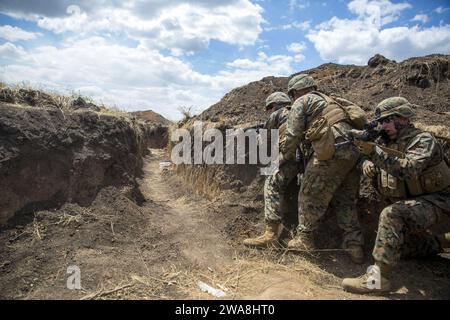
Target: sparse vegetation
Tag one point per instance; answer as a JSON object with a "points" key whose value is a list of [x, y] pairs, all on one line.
{"points": [[187, 112], [23, 94]]}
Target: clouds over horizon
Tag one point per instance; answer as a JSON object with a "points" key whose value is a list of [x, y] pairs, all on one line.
{"points": [[163, 54], [13, 34], [354, 41], [182, 27], [133, 78]]}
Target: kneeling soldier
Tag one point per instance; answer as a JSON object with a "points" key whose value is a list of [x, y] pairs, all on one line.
{"points": [[417, 184]]}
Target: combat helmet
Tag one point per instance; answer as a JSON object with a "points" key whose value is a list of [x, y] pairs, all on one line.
{"points": [[301, 81], [278, 98], [394, 106]]}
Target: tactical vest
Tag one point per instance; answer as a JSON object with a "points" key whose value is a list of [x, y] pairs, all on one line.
{"points": [[433, 179], [319, 132], [332, 112]]}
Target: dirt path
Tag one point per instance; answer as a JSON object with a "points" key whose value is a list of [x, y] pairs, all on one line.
{"points": [[182, 216], [193, 223], [162, 249], [188, 221]]}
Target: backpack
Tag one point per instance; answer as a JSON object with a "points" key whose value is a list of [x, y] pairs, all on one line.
{"points": [[355, 113]]}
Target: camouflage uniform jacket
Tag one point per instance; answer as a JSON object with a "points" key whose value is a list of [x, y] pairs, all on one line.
{"points": [[277, 118], [303, 112], [422, 151]]}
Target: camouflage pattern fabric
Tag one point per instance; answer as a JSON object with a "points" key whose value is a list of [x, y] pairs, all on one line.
{"points": [[275, 187], [303, 112], [332, 183], [277, 118], [421, 151], [402, 229]]}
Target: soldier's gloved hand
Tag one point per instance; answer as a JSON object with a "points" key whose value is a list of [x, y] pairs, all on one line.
{"points": [[368, 169], [357, 134], [365, 147]]}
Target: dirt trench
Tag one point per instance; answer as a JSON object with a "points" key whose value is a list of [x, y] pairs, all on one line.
{"points": [[163, 248]]}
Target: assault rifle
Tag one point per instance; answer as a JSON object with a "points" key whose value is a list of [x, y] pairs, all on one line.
{"points": [[367, 136]]}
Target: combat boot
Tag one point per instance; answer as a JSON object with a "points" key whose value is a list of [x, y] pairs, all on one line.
{"points": [[269, 238], [356, 253], [303, 241], [444, 240], [376, 281]]}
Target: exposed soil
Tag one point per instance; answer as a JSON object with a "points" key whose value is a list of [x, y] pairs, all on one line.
{"points": [[424, 81], [160, 250], [82, 189], [152, 117]]}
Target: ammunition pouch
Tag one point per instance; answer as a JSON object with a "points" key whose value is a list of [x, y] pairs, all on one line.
{"points": [[320, 133], [321, 138], [434, 179]]}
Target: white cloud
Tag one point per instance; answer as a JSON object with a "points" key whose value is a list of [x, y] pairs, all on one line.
{"points": [[15, 33], [296, 47], [133, 78], [305, 25], [421, 17], [298, 4], [183, 27], [10, 51], [299, 58], [264, 65], [356, 40], [378, 12], [441, 10]]}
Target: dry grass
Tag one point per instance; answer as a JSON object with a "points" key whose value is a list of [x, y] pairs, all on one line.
{"points": [[238, 279], [115, 112], [27, 95]]}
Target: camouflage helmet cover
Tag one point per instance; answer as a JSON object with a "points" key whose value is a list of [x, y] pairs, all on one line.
{"points": [[301, 81], [278, 98], [394, 106]]}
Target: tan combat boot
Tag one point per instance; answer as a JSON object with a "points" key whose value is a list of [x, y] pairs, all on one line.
{"points": [[375, 281], [269, 238], [303, 241], [356, 253]]}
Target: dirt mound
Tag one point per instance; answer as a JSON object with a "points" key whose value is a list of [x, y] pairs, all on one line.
{"points": [[40, 247], [152, 117], [160, 134], [424, 81], [55, 153]]}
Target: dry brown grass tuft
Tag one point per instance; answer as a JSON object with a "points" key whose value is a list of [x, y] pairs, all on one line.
{"points": [[23, 94]]}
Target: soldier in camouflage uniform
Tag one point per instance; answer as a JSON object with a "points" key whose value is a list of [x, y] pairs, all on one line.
{"points": [[418, 186], [276, 185], [326, 183]]}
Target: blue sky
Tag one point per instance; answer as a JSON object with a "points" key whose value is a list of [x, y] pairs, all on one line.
{"points": [[166, 54]]}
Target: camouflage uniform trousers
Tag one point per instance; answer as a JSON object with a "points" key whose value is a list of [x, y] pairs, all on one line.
{"points": [[403, 230], [333, 183], [276, 196]]}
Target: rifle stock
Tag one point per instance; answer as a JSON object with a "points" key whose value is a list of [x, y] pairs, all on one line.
{"points": [[389, 151]]}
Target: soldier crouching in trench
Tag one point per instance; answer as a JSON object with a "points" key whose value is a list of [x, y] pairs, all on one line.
{"points": [[329, 180], [417, 184], [276, 187]]}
